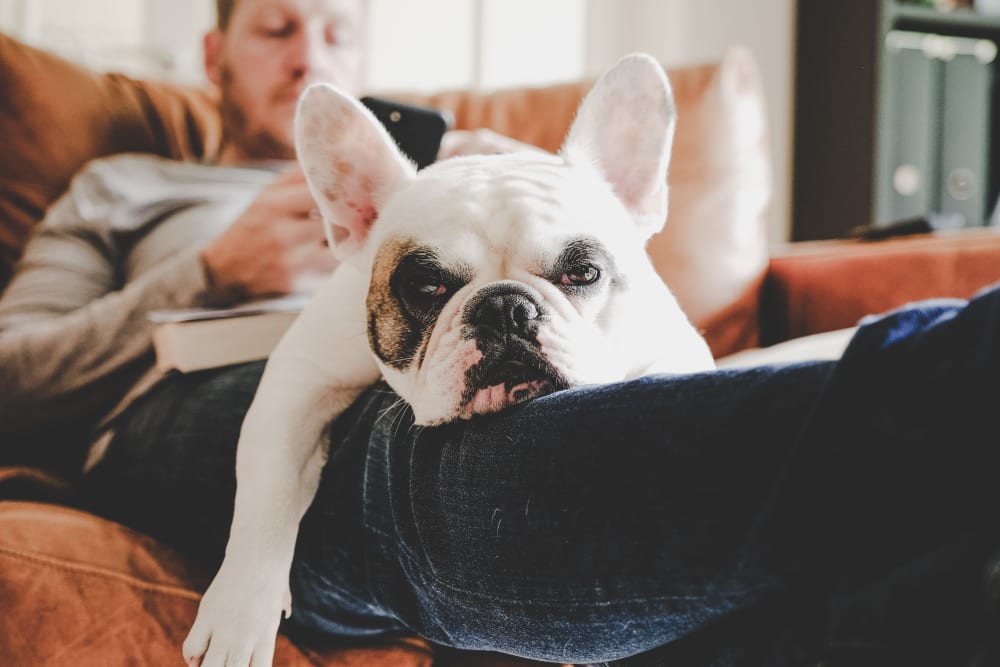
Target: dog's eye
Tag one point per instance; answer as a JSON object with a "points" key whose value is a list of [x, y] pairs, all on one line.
{"points": [[586, 274], [430, 289], [426, 286]]}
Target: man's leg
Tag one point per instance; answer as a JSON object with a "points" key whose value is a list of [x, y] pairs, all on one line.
{"points": [[890, 499], [550, 502], [588, 525], [170, 470], [602, 522]]}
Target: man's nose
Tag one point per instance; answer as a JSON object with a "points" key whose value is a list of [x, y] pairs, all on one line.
{"points": [[309, 51]]}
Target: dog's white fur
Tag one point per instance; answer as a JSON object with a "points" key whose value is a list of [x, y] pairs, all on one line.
{"points": [[504, 216]]}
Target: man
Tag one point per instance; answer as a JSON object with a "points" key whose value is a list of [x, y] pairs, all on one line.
{"points": [[138, 233]]}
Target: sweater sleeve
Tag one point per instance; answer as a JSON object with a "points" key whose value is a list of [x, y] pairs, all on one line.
{"points": [[73, 340]]}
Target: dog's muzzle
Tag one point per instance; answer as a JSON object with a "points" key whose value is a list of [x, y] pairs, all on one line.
{"points": [[504, 320]]}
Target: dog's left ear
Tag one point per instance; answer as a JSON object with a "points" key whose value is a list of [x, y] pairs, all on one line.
{"points": [[625, 126], [350, 161]]}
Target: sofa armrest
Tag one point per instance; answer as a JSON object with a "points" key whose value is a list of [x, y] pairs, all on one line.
{"points": [[819, 286]]}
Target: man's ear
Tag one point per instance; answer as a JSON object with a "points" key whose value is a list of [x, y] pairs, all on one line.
{"points": [[212, 44], [350, 161], [625, 127]]}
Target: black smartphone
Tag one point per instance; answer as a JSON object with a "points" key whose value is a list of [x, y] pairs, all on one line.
{"points": [[417, 130]]}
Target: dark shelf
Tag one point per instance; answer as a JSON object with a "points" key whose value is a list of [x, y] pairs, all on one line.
{"points": [[960, 22], [850, 103]]}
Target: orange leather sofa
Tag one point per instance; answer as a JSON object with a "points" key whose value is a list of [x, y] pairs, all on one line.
{"points": [[78, 590]]}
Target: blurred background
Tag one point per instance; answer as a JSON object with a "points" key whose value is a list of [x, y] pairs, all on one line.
{"points": [[878, 110], [435, 45]]}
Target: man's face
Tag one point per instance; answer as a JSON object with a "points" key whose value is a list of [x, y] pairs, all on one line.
{"points": [[269, 53]]}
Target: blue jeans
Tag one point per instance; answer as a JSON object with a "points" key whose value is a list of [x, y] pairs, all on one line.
{"points": [[775, 515]]}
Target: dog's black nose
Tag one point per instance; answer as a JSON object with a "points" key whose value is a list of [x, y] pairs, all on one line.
{"points": [[505, 312]]}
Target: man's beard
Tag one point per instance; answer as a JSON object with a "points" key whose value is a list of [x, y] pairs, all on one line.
{"points": [[257, 143]]}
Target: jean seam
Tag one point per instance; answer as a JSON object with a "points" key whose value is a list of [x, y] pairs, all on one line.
{"points": [[437, 581]]}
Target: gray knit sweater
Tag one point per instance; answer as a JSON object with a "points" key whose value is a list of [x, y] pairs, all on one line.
{"points": [[75, 343]]}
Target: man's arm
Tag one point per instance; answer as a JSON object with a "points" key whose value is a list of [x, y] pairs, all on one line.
{"points": [[74, 339], [71, 341], [278, 245]]}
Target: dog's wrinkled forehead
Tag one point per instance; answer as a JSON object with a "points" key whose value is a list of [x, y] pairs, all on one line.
{"points": [[501, 202]]}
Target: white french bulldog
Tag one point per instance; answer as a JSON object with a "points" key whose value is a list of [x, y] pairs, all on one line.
{"points": [[479, 283]]}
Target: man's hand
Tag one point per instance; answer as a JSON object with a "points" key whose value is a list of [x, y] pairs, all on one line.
{"points": [[479, 142], [276, 246]]}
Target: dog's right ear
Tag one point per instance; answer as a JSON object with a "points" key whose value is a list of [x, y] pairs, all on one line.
{"points": [[625, 127], [350, 161]]}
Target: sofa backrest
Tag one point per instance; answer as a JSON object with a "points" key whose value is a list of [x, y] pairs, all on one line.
{"points": [[55, 116]]}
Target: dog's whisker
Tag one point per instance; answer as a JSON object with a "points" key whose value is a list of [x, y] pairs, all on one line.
{"points": [[401, 360], [398, 421], [388, 409], [395, 404]]}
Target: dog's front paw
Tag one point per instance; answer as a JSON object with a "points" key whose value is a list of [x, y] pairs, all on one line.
{"points": [[238, 619]]}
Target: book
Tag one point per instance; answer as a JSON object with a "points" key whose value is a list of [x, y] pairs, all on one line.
{"points": [[911, 111], [193, 339], [966, 122], [936, 123]]}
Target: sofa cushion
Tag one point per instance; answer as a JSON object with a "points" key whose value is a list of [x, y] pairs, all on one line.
{"points": [[73, 587], [713, 251], [820, 286], [78, 590], [55, 116]]}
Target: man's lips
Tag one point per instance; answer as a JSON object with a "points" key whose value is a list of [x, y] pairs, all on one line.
{"points": [[287, 95]]}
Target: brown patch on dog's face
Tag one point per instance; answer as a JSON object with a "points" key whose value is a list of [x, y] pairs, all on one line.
{"points": [[409, 287], [391, 337]]}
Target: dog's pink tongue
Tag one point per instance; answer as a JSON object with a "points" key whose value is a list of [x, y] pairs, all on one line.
{"points": [[489, 399], [497, 397]]}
